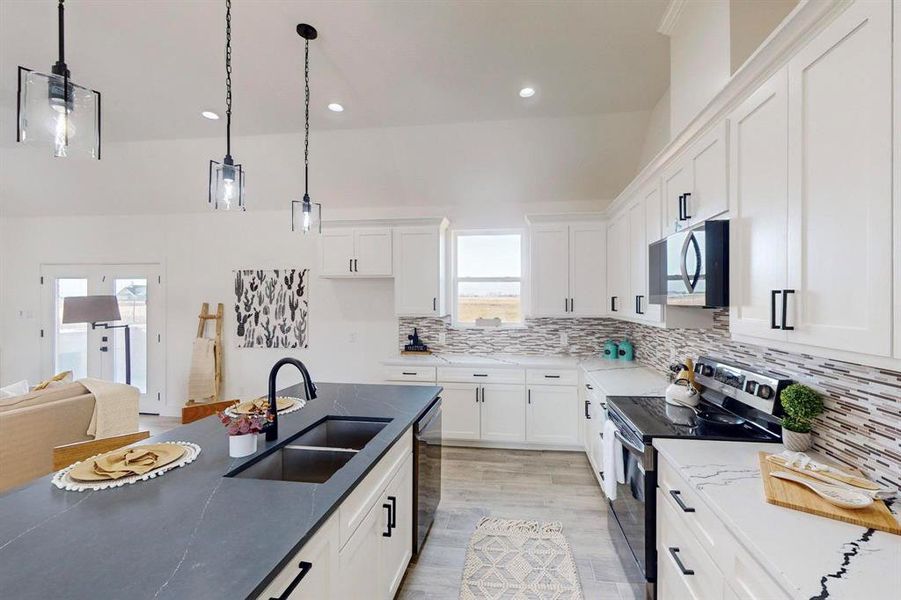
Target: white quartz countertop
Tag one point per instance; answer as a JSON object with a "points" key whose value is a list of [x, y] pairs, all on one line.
{"points": [[508, 361], [810, 556], [626, 379]]}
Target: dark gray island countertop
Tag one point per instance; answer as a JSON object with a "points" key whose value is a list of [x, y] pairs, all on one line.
{"points": [[191, 533]]}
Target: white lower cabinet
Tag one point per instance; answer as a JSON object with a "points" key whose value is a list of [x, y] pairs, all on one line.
{"points": [[697, 557], [362, 551], [460, 411], [552, 414], [503, 413], [312, 573]]}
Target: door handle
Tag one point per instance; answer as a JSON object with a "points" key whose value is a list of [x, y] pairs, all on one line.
{"points": [[477, 395], [529, 396], [613, 304], [434, 303], [392, 519], [685, 199], [572, 305], [638, 304], [785, 294], [773, 294], [677, 496], [387, 533], [587, 404], [304, 569], [681, 197], [350, 265], [483, 395], [566, 305], [674, 552], [356, 266]]}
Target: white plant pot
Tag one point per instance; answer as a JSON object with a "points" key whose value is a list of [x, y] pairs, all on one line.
{"points": [[242, 445], [796, 442]]}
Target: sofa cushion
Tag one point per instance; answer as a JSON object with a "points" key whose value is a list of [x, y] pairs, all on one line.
{"points": [[50, 394]]}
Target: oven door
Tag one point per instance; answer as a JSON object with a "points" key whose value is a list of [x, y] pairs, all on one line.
{"points": [[634, 504]]}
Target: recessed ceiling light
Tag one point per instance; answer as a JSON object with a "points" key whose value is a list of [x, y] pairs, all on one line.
{"points": [[526, 92], [335, 107], [208, 114]]}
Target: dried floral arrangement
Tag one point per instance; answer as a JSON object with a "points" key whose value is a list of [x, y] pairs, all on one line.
{"points": [[244, 424]]}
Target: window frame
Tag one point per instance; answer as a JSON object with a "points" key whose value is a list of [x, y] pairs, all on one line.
{"points": [[522, 279]]}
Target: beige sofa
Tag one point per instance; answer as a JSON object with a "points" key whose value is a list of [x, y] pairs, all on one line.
{"points": [[33, 424]]}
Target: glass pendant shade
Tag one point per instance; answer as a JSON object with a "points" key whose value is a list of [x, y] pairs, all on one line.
{"points": [[306, 216], [54, 111], [226, 185]]}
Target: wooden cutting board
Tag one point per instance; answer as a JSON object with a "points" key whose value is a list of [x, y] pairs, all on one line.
{"points": [[795, 496]]}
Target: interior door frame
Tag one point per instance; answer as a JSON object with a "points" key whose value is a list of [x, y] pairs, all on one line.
{"points": [[156, 365]]}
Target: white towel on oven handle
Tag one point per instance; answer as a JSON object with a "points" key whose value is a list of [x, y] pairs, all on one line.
{"points": [[614, 470]]}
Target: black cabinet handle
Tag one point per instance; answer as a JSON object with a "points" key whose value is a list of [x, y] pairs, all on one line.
{"points": [[387, 533], [677, 496], [480, 374], [552, 377], [350, 265], [674, 552], [681, 213], [773, 294], [785, 294], [529, 396], [685, 200], [572, 305], [392, 518], [588, 386], [356, 266], [638, 300], [477, 395], [304, 569], [613, 304], [434, 303], [409, 373], [483, 395], [587, 403]]}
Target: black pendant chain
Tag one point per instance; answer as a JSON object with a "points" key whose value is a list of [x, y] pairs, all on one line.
{"points": [[306, 139], [228, 77]]}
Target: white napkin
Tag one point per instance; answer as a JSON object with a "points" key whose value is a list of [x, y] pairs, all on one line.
{"points": [[613, 460]]}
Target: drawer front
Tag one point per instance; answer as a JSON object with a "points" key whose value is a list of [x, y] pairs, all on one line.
{"points": [[425, 374], [684, 569], [748, 580], [552, 377], [695, 516], [461, 375], [310, 574], [355, 508]]}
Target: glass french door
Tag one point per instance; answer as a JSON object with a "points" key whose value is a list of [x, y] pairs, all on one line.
{"points": [[100, 352]]}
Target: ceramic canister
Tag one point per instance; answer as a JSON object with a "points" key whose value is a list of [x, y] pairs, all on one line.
{"points": [[626, 350], [611, 350]]}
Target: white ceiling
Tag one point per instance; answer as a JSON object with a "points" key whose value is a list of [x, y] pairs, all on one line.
{"points": [[390, 63]]}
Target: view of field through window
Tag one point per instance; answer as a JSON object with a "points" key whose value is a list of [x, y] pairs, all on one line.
{"points": [[488, 282]]}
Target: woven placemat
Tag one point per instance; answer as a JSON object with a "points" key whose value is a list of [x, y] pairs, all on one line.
{"points": [[63, 481], [298, 404]]}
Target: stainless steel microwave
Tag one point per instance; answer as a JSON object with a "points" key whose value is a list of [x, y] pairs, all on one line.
{"points": [[691, 267]]}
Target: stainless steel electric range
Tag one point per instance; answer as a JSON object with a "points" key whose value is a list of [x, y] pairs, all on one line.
{"points": [[737, 404]]}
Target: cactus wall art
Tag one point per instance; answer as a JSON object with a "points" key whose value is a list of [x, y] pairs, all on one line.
{"points": [[272, 308]]}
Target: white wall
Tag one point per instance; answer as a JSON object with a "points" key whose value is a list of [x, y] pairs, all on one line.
{"points": [[198, 253], [657, 134], [699, 59]]}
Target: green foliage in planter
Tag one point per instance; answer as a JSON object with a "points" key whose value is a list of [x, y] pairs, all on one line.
{"points": [[801, 404]]}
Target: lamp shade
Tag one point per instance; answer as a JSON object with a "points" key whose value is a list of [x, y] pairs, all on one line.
{"points": [[91, 309]]}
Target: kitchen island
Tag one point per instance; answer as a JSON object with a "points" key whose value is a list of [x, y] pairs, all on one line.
{"points": [[192, 533]]}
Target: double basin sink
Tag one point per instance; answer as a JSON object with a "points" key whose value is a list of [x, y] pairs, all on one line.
{"points": [[314, 455]]}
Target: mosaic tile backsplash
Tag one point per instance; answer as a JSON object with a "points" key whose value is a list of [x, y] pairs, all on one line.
{"points": [[862, 423]]}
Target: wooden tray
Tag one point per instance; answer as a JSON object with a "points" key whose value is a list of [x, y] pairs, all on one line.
{"points": [[792, 495]]}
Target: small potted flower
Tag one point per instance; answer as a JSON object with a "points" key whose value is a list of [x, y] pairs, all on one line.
{"points": [[242, 432], [801, 405]]}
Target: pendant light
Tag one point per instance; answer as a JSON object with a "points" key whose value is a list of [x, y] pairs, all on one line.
{"points": [[306, 216], [52, 109], [227, 178]]}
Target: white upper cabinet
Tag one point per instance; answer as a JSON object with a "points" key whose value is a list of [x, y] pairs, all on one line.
{"points": [[759, 201], [567, 269], [587, 269], [550, 272], [840, 184], [419, 270], [695, 187], [356, 252], [617, 265], [897, 177]]}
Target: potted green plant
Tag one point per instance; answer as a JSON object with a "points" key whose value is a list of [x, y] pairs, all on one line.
{"points": [[801, 405]]}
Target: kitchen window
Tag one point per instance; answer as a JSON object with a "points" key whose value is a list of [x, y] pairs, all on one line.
{"points": [[488, 278]]}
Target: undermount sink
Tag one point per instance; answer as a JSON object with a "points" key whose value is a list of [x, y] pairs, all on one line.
{"points": [[316, 454]]}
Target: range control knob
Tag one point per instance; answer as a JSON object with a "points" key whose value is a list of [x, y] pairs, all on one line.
{"points": [[751, 387], [765, 392], [706, 370]]}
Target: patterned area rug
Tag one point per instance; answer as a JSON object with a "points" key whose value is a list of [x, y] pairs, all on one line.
{"points": [[519, 560]]}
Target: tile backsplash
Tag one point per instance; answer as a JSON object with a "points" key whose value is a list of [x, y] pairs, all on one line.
{"points": [[862, 423]]}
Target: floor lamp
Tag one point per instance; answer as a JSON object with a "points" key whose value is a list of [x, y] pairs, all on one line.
{"points": [[99, 311]]}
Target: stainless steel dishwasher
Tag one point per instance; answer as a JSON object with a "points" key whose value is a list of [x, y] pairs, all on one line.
{"points": [[426, 472]]}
